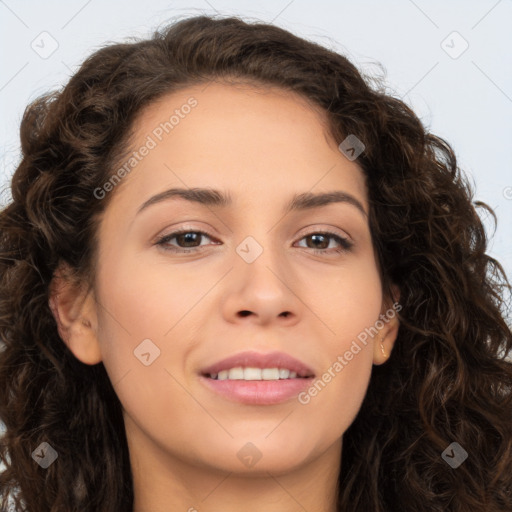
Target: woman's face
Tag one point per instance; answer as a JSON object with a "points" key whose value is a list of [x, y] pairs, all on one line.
{"points": [[262, 279]]}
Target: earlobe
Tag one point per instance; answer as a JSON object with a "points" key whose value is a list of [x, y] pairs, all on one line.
{"points": [[384, 341], [74, 310]]}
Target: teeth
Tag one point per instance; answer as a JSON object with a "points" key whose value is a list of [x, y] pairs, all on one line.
{"points": [[236, 373], [270, 373], [250, 373]]}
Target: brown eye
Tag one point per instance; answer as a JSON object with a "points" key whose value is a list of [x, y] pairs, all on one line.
{"points": [[187, 240], [320, 242]]}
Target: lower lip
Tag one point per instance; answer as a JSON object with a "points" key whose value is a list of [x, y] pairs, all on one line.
{"points": [[258, 392]]}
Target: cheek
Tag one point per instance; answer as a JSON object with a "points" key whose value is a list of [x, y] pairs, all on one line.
{"points": [[143, 299], [139, 326], [137, 308], [335, 396], [349, 307], [348, 300]]}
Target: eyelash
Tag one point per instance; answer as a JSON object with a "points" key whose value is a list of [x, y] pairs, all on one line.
{"points": [[346, 245]]}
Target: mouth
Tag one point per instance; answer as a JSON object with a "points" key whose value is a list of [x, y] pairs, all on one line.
{"points": [[257, 379], [254, 373]]}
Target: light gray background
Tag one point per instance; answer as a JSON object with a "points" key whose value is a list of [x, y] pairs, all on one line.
{"points": [[464, 98]]}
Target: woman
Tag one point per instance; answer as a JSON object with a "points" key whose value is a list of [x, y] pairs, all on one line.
{"points": [[336, 343]]}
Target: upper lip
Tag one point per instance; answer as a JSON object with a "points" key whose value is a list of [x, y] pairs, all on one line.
{"points": [[260, 360]]}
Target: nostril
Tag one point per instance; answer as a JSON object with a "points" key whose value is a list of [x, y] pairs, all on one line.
{"points": [[244, 313]]}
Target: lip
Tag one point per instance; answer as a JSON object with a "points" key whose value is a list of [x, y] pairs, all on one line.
{"points": [[259, 392], [259, 360]]}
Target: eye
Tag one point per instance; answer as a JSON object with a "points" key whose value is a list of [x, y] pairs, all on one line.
{"points": [[184, 236], [344, 244], [188, 239]]}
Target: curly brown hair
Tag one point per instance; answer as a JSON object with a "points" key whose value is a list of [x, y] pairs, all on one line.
{"points": [[448, 379]]}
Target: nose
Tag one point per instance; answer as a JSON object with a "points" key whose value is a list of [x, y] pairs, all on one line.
{"points": [[261, 292]]}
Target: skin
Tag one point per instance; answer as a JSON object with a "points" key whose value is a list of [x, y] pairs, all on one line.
{"points": [[261, 146]]}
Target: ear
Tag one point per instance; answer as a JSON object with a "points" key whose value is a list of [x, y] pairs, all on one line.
{"points": [[384, 341], [74, 309]]}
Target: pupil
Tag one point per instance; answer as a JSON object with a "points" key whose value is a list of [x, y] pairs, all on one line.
{"points": [[188, 236], [318, 236]]}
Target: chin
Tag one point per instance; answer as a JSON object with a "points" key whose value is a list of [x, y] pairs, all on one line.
{"points": [[259, 459]]}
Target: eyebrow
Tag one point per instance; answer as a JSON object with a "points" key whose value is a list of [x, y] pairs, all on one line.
{"points": [[217, 198]]}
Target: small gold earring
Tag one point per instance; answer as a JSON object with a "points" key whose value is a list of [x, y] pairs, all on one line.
{"points": [[382, 349]]}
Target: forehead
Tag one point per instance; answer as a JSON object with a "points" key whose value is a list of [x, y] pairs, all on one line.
{"points": [[257, 139]]}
